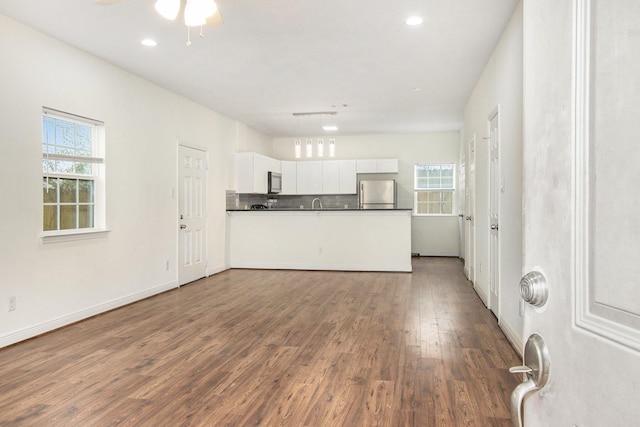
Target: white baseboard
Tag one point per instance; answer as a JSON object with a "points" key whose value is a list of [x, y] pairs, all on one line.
{"points": [[50, 325], [514, 337], [216, 269], [483, 296]]}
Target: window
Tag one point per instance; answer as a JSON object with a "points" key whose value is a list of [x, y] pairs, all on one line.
{"points": [[73, 173], [433, 189]]}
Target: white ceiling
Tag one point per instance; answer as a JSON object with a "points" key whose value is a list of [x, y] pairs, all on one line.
{"points": [[272, 58]]}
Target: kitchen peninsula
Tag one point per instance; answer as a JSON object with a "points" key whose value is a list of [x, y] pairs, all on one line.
{"points": [[325, 239]]}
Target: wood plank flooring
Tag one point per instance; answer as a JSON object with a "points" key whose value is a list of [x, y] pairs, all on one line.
{"points": [[274, 348]]}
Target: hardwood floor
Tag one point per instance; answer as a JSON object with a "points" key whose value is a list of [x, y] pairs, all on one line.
{"points": [[274, 348]]}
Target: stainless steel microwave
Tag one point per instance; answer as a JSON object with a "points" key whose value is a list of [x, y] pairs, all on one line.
{"points": [[275, 182]]}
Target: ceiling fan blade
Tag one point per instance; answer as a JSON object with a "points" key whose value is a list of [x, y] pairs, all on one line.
{"points": [[215, 20], [107, 2]]}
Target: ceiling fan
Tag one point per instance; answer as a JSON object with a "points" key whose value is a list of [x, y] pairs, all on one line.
{"points": [[196, 12]]}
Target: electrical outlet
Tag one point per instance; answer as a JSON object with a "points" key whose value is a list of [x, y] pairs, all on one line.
{"points": [[12, 303]]}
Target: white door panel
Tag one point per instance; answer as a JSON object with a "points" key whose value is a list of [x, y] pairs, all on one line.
{"points": [[494, 208], [470, 212], [582, 103], [192, 175]]}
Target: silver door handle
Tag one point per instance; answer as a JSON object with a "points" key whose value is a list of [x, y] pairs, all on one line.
{"points": [[182, 226], [536, 368], [517, 398], [534, 289]]}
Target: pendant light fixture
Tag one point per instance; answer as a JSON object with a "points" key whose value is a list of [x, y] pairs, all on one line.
{"points": [[329, 126], [320, 147], [298, 148], [309, 147]]}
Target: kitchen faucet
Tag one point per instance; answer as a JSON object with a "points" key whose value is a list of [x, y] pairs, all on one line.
{"points": [[314, 202]]}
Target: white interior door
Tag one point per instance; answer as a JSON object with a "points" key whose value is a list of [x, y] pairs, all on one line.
{"points": [[581, 198], [469, 260], [192, 211], [494, 209], [461, 189]]}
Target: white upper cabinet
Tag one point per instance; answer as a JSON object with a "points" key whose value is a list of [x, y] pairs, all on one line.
{"points": [[330, 177], [377, 166], [251, 172], [289, 177], [367, 166], [302, 178], [387, 165], [348, 181], [313, 177], [324, 177], [316, 177]]}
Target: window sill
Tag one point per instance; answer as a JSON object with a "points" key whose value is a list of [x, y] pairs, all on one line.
{"points": [[69, 236]]}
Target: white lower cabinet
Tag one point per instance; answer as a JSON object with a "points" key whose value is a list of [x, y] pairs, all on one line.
{"points": [[322, 240]]}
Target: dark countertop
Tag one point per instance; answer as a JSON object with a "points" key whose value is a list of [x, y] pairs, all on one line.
{"points": [[315, 210]]}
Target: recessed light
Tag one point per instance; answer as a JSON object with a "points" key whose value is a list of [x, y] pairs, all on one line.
{"points": [[414, 20], [149, 42], [416, 89], [329, 128]]}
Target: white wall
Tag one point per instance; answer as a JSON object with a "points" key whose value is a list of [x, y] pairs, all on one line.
{"points": [[438, 236], [58, 283], [500, 86]]}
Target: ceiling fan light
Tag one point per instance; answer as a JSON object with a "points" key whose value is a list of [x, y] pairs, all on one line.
{"points": [[168, 9], [193, 16], [205, 7]]}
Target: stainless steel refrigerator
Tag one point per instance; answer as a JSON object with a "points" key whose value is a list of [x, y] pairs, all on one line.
{"points": [[377, 194]]}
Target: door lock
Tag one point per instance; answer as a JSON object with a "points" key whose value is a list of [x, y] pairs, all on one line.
{"points": [[494, 226], [182, 226], [534, 289], [536, 368], [468, 218]]}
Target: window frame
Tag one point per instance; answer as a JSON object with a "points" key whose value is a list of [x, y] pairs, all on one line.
{"points": [[417, 190], [96, 176]]}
